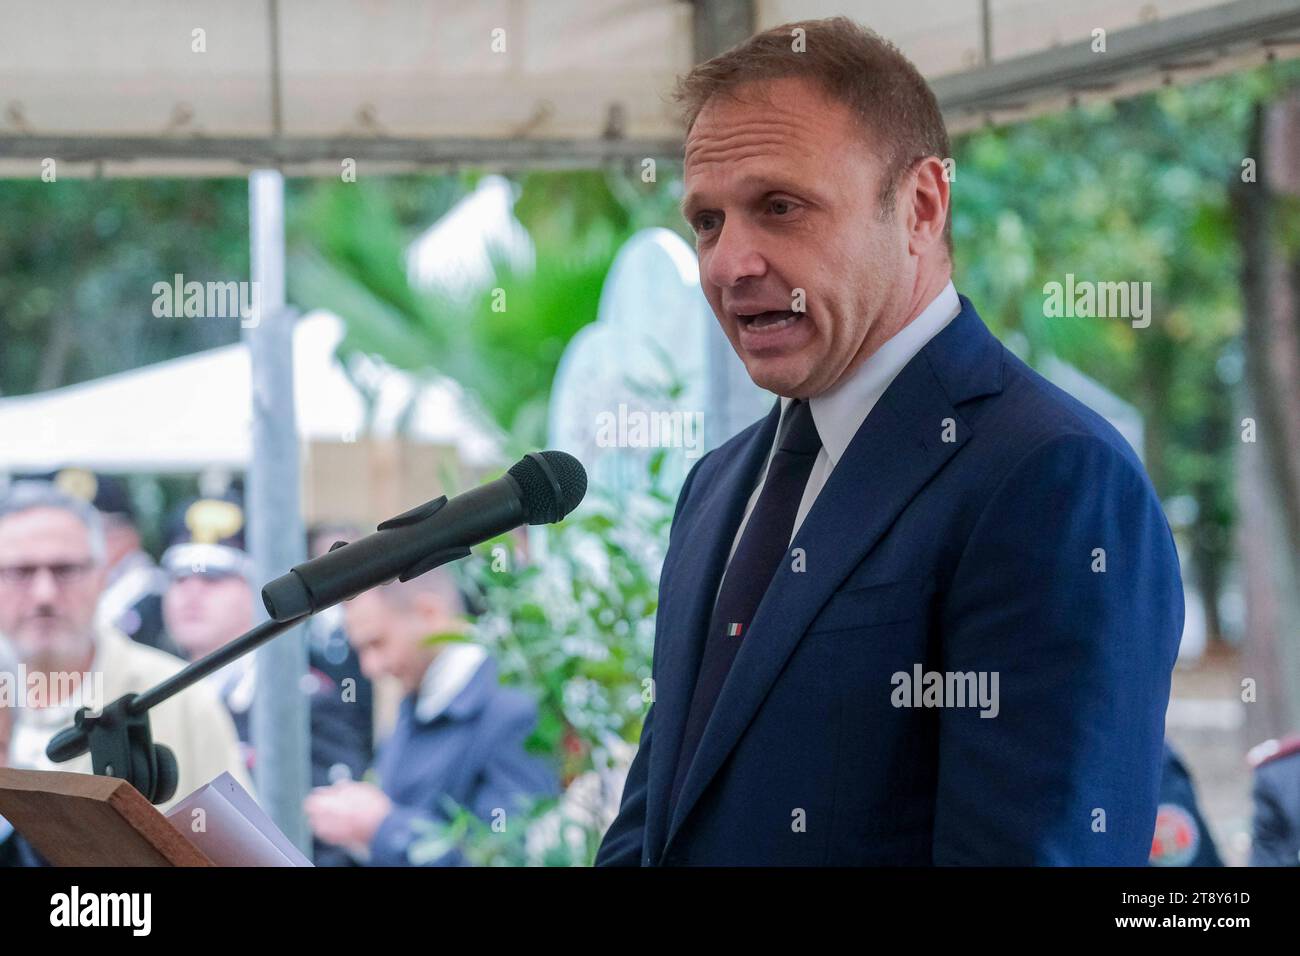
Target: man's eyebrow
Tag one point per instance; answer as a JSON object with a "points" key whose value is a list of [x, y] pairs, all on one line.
{"points": [[759, 183]]}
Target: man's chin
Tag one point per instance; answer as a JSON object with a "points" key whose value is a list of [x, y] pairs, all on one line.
{"points": [[41, 640], [47, 651], [780, 377]]}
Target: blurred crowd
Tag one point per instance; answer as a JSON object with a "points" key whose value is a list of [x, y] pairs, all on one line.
{"points": [[405, 731]]}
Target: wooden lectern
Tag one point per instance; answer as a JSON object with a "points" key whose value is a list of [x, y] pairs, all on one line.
{"points": [[75, 819]]}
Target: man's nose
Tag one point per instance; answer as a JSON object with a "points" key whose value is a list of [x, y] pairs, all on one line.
{"points": [[44, 588], [734, 257]]}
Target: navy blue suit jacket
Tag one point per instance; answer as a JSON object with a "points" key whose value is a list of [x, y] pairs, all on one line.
{"points": [[975, 554], [472, 754]]}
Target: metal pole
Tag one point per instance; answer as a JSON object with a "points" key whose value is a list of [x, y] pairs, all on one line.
{"points": [[279, 727]]}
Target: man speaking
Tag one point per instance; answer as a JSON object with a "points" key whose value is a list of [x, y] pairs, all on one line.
{"points": [[926, 611]]}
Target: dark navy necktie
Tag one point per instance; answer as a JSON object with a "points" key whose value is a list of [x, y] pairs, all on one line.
{"points": [[762, 546]]}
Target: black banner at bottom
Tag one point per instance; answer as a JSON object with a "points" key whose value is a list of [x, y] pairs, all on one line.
{"points": [[333, 906]]}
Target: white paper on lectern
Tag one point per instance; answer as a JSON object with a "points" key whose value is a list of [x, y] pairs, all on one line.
{"points": [[236, 831]]}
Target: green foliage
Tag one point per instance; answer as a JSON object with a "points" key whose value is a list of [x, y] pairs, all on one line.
{"points": [[78, 262], [576, 628], [1137, 190], [503, 344]]}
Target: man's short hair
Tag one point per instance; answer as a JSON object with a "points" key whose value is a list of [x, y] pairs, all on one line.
{"points": [[28, 495], [896, 108], [439, 582]]}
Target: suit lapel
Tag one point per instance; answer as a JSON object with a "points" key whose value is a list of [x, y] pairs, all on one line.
{"points": [[894, 454], [684, 615]]}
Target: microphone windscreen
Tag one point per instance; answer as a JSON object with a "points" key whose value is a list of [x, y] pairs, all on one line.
{"points": [[551, 483]]}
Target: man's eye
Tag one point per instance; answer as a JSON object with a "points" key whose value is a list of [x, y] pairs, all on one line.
{"points": [[781, 206], [705, 221]]}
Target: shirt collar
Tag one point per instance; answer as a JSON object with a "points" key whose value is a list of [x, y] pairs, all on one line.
{"points": [[235, 683], [840, 411], [446, 677]]}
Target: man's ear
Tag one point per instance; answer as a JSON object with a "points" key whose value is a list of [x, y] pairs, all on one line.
{"points": [[927, 197]]}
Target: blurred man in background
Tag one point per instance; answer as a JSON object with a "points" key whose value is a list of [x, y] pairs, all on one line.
{"points": [[459, 738], [209, 603], [132, 598], [52, 572], [1182, 837], [1275, 840], [327, 638]]}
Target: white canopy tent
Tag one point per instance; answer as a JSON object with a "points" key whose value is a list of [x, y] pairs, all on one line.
{"points": [[195, 412], [193, 87], [455, 254]]}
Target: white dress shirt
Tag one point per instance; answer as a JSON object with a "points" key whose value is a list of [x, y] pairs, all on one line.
{"points": [[447, 676], [840, 411]]}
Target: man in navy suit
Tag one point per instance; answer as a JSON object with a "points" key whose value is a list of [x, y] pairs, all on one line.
{"points": [[458, 742], [926, 611]]}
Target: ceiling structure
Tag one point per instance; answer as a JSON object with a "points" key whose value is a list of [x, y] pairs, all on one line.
{"points": [[193, 88]]}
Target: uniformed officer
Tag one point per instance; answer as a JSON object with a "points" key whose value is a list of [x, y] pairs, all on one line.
{"points": [[1182, 837], [1275, 838], [209, 603]]}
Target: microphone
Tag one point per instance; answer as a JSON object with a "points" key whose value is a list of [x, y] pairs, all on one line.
{"points": [[540, 488]]}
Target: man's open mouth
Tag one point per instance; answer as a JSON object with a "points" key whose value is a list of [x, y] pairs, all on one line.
{"points": [[770, 321]]}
